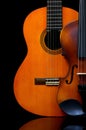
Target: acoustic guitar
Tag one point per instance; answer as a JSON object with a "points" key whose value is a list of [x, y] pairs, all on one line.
{"points": [[37, 80]]}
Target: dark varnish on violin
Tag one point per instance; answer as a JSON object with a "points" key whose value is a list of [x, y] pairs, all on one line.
{"points": [[82, 51], [73, 42]]}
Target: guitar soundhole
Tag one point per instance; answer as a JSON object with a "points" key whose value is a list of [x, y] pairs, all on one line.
{"points": [[52, 40]]}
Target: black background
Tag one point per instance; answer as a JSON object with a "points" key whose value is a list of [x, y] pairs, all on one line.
{"points": [[14, 50]]}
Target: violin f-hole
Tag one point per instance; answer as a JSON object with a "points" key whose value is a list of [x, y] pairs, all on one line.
{"points": [[72, 74]]}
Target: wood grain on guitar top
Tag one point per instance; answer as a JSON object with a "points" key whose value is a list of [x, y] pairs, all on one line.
{"points": [[40, 99]]}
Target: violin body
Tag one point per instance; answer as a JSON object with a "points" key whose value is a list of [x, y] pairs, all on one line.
{"points": [[40, 99], [69, 86]]}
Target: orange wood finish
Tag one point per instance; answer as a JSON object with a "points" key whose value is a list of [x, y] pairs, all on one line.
{"points": [[69, 41], [51, 123], [40, 99]]}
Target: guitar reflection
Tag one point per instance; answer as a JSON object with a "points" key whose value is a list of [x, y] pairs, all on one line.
{"points": [[53, 123], [44, 124]]}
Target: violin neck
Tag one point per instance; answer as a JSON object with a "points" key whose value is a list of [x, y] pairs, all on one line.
{"points": [[82, 30], [82, 37], [82, 46]]}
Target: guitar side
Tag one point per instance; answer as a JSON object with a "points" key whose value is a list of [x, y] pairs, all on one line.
{"points": [[40, 99]]}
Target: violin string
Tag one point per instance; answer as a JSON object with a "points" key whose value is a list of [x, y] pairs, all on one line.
{"points": [[81, 38]]}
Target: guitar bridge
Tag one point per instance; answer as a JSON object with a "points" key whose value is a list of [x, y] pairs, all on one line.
{"points": [[47, 81]]}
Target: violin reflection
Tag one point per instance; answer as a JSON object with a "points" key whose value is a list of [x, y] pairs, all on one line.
{"points": [[76, 123], [53, 123], [74, 127]]}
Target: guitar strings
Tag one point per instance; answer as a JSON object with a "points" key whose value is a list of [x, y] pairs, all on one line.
{"points": [[52, 24]]}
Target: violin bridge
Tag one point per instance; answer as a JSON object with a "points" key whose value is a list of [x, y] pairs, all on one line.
{"points": [[81, 73], [47, 81]]}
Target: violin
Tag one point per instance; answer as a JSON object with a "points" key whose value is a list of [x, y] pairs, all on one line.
{"points": [[73, 41]]}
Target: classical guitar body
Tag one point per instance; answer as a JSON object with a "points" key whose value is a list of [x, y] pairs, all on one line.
{"points": [[38, 77]]}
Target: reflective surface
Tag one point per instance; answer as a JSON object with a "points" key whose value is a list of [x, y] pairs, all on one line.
{"points": [[55, 123]]}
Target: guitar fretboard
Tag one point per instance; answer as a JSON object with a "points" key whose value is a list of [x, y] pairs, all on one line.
{"points": [[54, 15]]}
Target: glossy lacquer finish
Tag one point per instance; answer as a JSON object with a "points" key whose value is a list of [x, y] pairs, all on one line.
{"points": [[39, 63]]}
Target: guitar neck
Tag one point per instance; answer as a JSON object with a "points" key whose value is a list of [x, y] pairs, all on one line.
{"points": [[54, 14]]}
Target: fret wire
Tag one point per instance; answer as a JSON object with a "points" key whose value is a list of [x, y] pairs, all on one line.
{"points": [[54, 10], [54, 23], [49, 14], [54, 1], [54, 27], [59, 20], [58, 28], [54, 19], [56, 5], [54, 14], [60, 3], [60, 12], [57, 9]]}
